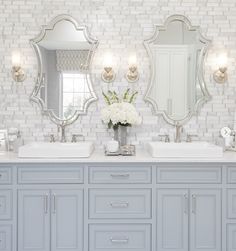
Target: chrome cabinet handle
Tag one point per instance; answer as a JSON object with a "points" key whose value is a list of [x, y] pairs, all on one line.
{"points": [[194, 204], [53, 203], [121, 204], [186, 204], [119, 240], [46, 204], [121, 176], [0, 175]]}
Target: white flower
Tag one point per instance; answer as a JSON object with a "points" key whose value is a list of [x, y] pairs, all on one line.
{"points": [[123, 113]]}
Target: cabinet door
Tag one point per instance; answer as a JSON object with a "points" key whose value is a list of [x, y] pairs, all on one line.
{"points": [[33, 220], [205, 221], [172, 220], [67, 220]]}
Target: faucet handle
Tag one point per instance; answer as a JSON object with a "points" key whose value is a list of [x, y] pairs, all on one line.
{"points": [[75, 137], [165, 136], [190, 136]]}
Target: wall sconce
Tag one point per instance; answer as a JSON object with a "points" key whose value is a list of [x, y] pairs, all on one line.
{"points": [[108, 74], [220, 75], [132, 74], [18, 74]]}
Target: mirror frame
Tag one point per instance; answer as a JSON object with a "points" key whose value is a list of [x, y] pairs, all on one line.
{"points": [[39, 81], [200, 75]]}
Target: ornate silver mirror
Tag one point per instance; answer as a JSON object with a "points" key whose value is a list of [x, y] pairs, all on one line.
{"points": [[64, 87], [177, 88]]}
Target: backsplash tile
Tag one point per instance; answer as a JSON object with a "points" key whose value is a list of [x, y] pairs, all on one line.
{"points": [[120, 26]]}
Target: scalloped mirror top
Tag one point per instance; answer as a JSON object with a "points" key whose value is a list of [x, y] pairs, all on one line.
{"points": [[64, 87], [177, 87]]}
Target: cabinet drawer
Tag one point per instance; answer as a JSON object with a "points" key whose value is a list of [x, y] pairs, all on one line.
{"points": [[114, 237], [231, 237], [120, 203], [50, 174], [5, 204], [5, 238], [188, 174], [5, 175], [118, 174]]}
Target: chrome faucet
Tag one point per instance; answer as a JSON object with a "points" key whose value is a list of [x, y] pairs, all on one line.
{"points": [[63, 134], [178, 130]]}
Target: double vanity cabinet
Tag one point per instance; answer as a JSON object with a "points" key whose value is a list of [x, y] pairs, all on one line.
{"points": [[122, 204]]}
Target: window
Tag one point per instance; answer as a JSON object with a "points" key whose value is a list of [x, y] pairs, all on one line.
{"points": [[75, 92]]}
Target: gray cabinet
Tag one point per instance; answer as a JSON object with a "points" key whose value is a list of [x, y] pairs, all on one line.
{"points": [[205, 220], [67, 220], [50, 220], [33, 220], [118, 206], [189, 219], [172, 219]]}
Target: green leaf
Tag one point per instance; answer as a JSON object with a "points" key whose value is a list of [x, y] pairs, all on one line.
{"points": [[107, 99], [126, 94], [133, 96]]}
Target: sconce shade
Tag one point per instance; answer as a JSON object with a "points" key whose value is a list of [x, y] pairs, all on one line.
{"points": [[18, 73], [108, 74], [220, 76]]}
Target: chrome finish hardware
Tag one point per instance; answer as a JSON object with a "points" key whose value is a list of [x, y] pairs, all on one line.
{"points": [[190, 136], [165, 136], [194, 204], [62, 127], [120, 176], [119, 240], [46, 204], [186, 204], [75, 137], [0, 175], [178, 131], [121, 204], [53, 203]]}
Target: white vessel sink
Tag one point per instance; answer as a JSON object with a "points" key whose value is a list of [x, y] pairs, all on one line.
{"points": [[56, 150], [184, 149]]}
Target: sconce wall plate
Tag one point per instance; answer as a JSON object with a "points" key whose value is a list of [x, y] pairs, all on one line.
{"points": [[132, 74], [18, 74], [108, 75], [221, 76]]}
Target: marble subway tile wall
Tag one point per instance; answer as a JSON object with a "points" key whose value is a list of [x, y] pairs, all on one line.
{"points": [[120, 26]]}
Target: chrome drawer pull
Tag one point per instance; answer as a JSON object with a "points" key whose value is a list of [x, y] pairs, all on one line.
{"points": [[186, 204], [46, 204], [119, 204], [119, 240], [0, 175], [194, 204], [54, 203], [121, 176]]}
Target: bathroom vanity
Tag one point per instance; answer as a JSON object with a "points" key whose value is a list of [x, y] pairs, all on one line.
{"points": [[103, 203], [118, 203]]}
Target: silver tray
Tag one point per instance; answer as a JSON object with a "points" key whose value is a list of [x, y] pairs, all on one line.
{"points": [[127, 150]]}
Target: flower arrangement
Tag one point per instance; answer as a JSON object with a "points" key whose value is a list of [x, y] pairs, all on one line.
{"points": [[120, 111]]}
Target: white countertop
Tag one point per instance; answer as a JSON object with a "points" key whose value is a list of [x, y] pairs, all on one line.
{"points": [[98, 156]]}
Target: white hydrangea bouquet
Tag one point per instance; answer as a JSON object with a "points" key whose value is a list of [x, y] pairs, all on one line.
{"points": [[120, 111]]}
